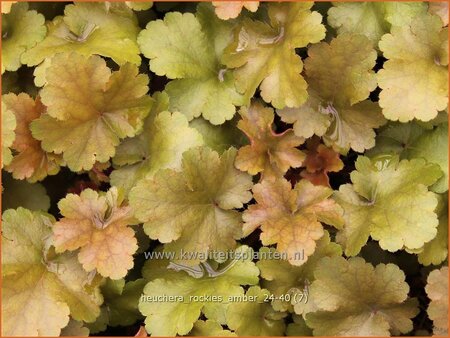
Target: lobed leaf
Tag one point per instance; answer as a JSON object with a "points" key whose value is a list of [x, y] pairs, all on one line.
{"points": [[291, 218], [372, 19], [281, 278], [437, 291], [245, 317], [9, 124], [414, 81], [269, 152], [88, 29], [340, 79], [98, 226], [319, 161], [355, 298], [30, 162], [389, 201], [21, 30], [187, 48], [231, 9], [166, 318], [263, 53], [85, 101], [35, 279], [192, 210]]}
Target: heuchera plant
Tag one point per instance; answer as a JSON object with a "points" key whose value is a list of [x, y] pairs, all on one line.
{"points": [[224, 169]]}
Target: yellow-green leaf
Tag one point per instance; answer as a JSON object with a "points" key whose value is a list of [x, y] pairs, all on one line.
{"points": [[355, 299], [340, 79], [414, 79], [263, 53], [192, 210], [35, 279]]}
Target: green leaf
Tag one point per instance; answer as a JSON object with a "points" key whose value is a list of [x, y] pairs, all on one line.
{"points": [[372, 19], [255, 317], [90, 109], [340, 79], [88, 29], [75, 329], [8, 135], [433, 146], [356, 299], [263, 53], [168, 318], [139, 5], [436, 251], [414, 79], [35, 279], [413, 140], [101, 323], [187, 48], [219, 138], [192, 209], [396, 138], [164, 139], [121, 301], [21, 30], [389, 201], [210, 328], [281, 278], [298, 328], [17, 193]]}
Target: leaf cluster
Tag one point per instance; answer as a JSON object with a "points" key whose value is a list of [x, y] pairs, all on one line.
{"points": [[224, 169]]}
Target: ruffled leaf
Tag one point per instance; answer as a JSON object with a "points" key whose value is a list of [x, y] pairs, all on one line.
{"points": [[282, 278], [437, 291], [21, 30], [88, 29], [263, 53], [90, 109], [269, 152], [319, 161], [192, 210], [98, 226], [291, 218], [255, 317], [231, 9], [340, 79], [389, 201], [372, 19], [9, 124], [201, 85], [168, 318], [35, 279], [164, 139], [355, 299], [31, 162], [414, 79]]}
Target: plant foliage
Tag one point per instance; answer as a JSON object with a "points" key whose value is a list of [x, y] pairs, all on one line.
{"points": [[235, 168]]}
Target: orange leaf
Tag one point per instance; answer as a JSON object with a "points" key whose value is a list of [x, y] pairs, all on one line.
{"points": [[319, 161], [31, 161], [98, 224], [270, 153], [291, 218]]}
